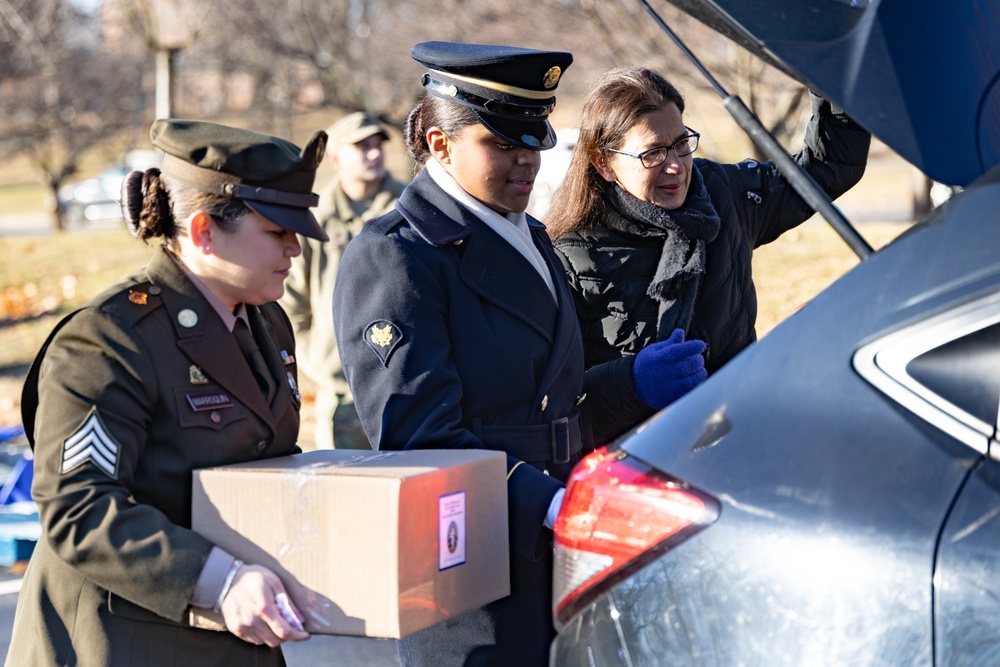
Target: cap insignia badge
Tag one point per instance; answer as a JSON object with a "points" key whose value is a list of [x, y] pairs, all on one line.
{"points": [[196, 375], [551, 77], [138, 298], [320, 151], [383, 337]]}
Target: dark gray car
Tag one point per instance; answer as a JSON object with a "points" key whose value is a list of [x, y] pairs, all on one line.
{"points": [[832, 495]]}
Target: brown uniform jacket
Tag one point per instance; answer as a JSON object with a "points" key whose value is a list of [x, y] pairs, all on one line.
{"points": [[126, 398]]}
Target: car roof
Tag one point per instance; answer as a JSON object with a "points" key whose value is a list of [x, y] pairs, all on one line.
{"points": [[921, 75]]}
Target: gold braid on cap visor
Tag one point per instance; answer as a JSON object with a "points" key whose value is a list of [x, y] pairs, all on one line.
{"points": [[511, 109]]}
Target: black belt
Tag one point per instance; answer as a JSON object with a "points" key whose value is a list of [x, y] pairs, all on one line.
{"points": [[556, 441]]}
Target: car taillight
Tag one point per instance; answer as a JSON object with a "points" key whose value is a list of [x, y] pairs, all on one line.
{"points": [[617, 514]]}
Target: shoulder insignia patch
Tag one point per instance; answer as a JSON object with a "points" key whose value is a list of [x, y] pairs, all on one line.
{"points": [[382, 336], [93, 443]]}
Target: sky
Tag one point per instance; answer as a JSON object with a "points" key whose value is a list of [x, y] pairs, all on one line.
{"points": [[87, 5]]}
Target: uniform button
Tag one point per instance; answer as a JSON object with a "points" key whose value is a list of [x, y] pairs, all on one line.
{"points": [[260, 446], [545, 402], [215, 417], [154, 290]]}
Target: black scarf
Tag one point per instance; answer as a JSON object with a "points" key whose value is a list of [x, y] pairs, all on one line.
{"points": [[685, 232]]}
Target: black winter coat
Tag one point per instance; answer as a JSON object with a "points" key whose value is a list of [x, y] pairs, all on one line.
{"points": [[610, 269]]}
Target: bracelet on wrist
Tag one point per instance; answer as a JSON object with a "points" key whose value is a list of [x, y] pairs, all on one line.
{"points": [[227, 584]]}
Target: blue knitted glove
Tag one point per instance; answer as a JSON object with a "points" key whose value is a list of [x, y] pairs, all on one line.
{"points": [[665, 371]]}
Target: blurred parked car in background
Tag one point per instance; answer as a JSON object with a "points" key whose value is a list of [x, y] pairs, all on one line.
{"points": [[99, 198], [832, 495], [552, 170]]}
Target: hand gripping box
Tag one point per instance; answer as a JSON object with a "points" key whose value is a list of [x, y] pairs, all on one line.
{"points": [[373, 544]]}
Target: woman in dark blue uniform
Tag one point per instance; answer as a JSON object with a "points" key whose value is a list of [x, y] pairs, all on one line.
{"points": [[186, 364], [457, 328]]}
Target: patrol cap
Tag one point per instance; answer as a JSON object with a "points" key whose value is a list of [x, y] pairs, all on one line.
{"points": [[355, 127], [273, 177], [511, 90]]}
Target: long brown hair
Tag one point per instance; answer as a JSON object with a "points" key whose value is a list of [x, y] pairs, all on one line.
{"points": [[614, 102]]}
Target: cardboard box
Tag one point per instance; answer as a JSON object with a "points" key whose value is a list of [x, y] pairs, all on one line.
{"points": [[371, 544]]}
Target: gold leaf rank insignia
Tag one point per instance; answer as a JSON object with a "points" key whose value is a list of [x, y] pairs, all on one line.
{"points": [[382, 336]]}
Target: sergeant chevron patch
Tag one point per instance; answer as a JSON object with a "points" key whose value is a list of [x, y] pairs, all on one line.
{"points": [[93, 443]]}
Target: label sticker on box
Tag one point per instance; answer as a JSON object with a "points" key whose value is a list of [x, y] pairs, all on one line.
{"points": [[451, 530]]}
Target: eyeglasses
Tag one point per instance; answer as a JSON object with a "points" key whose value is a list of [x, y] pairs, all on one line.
{"points": [[654, 157]]}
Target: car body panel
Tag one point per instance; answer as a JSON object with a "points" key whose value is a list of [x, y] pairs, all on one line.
{"points": [[834, 490], [853, 450], [922, 75], [746, 593], [967, 580]]}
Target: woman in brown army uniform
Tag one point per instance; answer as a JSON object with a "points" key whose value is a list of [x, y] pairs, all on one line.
{"points": [[149, 382]]}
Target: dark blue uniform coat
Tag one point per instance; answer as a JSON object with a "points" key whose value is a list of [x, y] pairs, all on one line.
{"points": [[450, 338]]}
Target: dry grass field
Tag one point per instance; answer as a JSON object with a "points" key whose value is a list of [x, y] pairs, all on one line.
{"points": [[44, 277], [803, 262]]}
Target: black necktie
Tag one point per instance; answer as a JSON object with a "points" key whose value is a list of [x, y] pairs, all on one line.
{"points": [[248, 346]]}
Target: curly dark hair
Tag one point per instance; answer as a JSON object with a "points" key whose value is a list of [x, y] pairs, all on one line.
{"points": [[153, 203]]}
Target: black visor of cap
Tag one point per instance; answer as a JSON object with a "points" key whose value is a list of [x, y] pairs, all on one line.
{"points": [[537, 135], [298, 220], [524, 125], [515, 110], [511, 90]]}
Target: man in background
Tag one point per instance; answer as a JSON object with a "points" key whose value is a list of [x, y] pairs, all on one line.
{"points": [[360, 190]]}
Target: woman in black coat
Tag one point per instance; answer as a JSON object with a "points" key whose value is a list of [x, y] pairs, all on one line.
{"points": [[654, 240], [457, 329]]}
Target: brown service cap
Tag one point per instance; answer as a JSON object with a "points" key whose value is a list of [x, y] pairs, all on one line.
{"points": [[355, 127], [270, 175]]}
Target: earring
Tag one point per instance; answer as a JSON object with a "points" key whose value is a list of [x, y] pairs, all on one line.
{"points": [[206, 249]]}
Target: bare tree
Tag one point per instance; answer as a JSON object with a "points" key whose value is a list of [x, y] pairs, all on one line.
{"points": [[61, 94], [634, 38], [327, 53], [167, 27], [354, 54], [265, 64]]}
